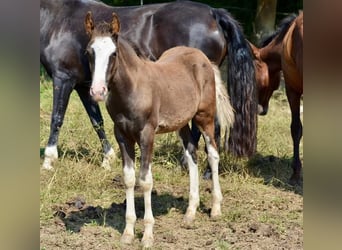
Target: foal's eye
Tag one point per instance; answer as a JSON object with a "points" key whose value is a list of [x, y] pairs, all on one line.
{"points": [[113, 55]]}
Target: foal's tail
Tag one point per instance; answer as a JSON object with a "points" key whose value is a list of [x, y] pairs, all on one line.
{"points": [[241, 86], [224, 111]]}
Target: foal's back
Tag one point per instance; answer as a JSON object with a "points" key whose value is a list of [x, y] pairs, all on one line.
{"points": [[187, 84]]}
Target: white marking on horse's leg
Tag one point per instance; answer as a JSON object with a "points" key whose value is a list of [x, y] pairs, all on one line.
{"points": [[51, 155], [147, 184], [194, 189], [129, 180], [213, 159], [107, 159]]}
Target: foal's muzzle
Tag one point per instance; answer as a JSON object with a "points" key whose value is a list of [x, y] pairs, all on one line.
{"points": [[98, 93]]}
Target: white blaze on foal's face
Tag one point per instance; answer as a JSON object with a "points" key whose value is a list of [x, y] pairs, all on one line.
{"points": [[103, 48]]}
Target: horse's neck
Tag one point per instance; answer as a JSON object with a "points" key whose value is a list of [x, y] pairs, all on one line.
{"points": [[271, 54]]}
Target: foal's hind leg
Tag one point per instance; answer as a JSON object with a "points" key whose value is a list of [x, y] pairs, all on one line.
{"points": [[62, 89], [96, 119], [207, 129], [191, 160]]}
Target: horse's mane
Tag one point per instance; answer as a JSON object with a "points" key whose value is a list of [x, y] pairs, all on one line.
{"points": [[283, 26]]}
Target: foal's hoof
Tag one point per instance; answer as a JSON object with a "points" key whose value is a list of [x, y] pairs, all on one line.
{"points": [[215, 213], [188, 221], [147, 242], [127, 239]]}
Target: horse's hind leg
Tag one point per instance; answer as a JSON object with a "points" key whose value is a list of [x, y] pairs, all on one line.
{"points": [[96, 119], [191, 160], [296, 132], [61, 94]]}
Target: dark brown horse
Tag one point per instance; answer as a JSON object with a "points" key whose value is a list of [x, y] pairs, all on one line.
{"points": [[284, 51], [145, 98], [151, 29]]}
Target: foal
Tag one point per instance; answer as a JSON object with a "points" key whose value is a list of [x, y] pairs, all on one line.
{"points": [[144, 98]]}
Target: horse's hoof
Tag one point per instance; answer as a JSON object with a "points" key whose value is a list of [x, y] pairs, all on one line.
{"points": [[108, 159], [207, 174], [147, 242], [47, 164], [295, 181], [127, 239]]}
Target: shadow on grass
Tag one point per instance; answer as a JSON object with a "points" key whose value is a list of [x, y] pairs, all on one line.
{"points": [[275, 171], [114, 216]]}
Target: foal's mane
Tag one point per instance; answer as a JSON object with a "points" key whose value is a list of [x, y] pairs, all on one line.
{"points": [[103, 28], [281, 30]]}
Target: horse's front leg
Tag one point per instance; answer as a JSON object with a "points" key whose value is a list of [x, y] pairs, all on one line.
{"points": [[94, 113], [146, 182], [190, 157], [126, 146], [62, 89]]}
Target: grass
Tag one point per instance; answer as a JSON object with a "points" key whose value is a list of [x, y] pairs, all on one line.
{"points": [[255, 190]]}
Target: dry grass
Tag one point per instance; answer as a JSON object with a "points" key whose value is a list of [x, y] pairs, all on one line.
{"points": [[260, 210]]}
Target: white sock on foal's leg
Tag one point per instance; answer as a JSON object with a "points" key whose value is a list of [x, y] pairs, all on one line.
{"points": [[194, 189], [213, 158], [147, 185], [129, 180]]}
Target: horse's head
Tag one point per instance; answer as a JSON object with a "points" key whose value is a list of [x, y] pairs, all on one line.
{"points": [[262, 81], [101, 51]]}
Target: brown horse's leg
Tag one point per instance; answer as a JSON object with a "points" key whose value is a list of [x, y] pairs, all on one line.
{"points": [[146, 181], [128, 155], [296, 131], [190, 158]]}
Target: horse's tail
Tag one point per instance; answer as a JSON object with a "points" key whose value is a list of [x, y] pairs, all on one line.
{"points": [[224, 111], [241, 86]]}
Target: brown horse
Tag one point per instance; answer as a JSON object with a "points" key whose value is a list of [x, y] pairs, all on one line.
{"points": [[284, 51], [145, 98]]}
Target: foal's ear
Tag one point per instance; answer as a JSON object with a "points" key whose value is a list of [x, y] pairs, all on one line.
{"points": [[89, 23], [115, 23]]}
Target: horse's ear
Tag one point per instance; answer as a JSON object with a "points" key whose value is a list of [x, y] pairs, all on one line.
{"points": [[115, 23], [255, 50], [89, 23]]}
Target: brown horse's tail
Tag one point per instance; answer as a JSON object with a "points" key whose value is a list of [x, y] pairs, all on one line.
{"points": [[224, 111], [241, 86]]}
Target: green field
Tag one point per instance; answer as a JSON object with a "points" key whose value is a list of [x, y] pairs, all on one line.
{"points": [[82, 206]]}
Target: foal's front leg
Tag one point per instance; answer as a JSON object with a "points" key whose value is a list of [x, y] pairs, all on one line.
{"points": [[128, 156], [146, 181]]}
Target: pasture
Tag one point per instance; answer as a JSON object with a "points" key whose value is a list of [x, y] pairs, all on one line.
{"points": [[82, 206]]}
